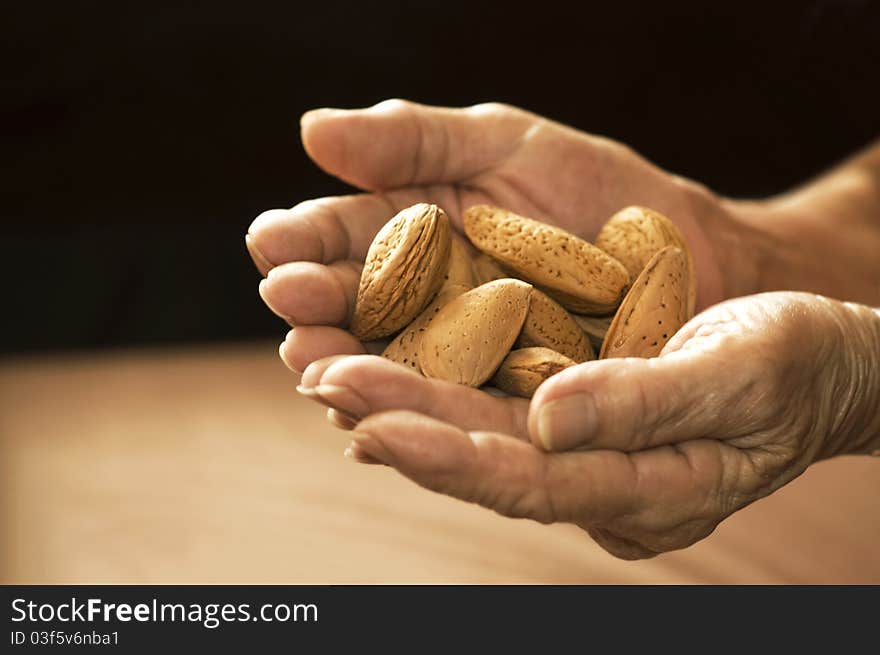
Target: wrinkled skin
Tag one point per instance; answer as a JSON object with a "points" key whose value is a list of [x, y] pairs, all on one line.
{"points": [[740, 402], [645, 455]]}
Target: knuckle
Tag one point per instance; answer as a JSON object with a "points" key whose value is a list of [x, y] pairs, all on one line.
{"points": [[524, 493], [394, 105], [307, 205], [765, 463], [532, 504], [646, 408], [740, 480], [647, 411], [492, 108]]}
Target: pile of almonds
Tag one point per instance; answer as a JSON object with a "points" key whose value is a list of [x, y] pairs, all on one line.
{"points": [[534, 300]]}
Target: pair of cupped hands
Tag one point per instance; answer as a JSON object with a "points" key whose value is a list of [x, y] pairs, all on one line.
{"points": [[645, 455]]}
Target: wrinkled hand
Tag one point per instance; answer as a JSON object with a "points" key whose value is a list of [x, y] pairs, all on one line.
{"points": [[405, 153], [645, 455]]}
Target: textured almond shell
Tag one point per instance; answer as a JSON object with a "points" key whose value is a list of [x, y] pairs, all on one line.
{"points": [[577, 274], [634, 234], [524, 370], [487, 269], [459, 272], [404, 349], [469, 337], [654, 309], [404, 269], [548, 325]]}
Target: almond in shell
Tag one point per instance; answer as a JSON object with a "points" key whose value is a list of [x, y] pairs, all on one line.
{"points": [[525, 369], [404, 349], [654, 309], [467, 339], [459, 272], [404, 269], [634, 234], [577, 274], [548, 325]]}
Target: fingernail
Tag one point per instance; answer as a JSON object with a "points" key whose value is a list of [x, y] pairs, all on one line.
{"points": [[308, 392], [356, 453], [262, 292], [341, 420], [344, 399], [365, 448], [289, 365], [263, 264], [567, 422]]}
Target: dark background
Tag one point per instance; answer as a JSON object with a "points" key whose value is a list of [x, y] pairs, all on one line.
{"points": [[140, 140]]}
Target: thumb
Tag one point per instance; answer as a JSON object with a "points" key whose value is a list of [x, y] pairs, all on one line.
{"points": [[633, 404], [397, 143]]}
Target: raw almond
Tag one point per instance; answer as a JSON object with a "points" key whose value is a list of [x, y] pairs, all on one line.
{"points": [[470, 336], [654, 309], [524, 370], [634, 234], [548, 325], [404, 269], [459, 272], [577, 274], [404, 349]]}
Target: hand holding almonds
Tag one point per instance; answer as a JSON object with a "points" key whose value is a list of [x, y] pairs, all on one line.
{"points": [[533, 301]]}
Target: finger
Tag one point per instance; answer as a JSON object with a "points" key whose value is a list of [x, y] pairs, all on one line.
{"points": [[361, 386], [306, 344], [322, 230], [355, 452], [647, 492], [633, 404], [326, 230], [398, 143], [501, 472], [313, 372], [305, 293], [341, 420], [260, 261]]}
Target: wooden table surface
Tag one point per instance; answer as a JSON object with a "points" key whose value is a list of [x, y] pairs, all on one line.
{"points": [[205, 466]]}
